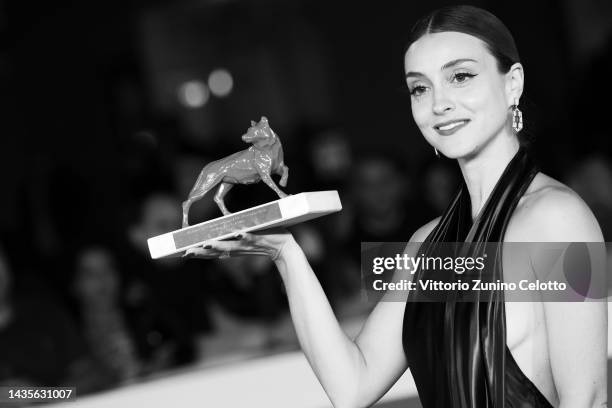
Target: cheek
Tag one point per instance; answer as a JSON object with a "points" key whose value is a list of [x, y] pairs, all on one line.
{"points": [[476, 99], [487, 102], [420, 113]]}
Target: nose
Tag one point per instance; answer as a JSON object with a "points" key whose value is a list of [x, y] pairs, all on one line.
{"points": [[441, 103]]}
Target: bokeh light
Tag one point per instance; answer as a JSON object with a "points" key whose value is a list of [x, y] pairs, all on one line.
{"points": [[220, 82], [193, 94]]}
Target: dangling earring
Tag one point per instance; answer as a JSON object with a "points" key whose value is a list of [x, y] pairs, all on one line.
{"points": [[517, 117], [437, 153]]}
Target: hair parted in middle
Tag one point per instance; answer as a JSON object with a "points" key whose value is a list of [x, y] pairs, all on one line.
{"points": [[473, 21]]}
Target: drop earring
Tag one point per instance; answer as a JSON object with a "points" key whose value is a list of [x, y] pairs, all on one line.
{"points": [[437, 153], [517, 117]]}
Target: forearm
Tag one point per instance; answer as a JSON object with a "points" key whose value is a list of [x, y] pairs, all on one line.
{"points": [[334, 357]]}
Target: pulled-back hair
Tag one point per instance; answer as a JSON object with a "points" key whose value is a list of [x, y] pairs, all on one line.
{"points": [[475, 22]]}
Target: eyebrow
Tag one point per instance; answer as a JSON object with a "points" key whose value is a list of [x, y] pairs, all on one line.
{"points": [[445, 66]]}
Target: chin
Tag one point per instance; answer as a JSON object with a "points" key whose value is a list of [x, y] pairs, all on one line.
{"points": [[462, 146], [458, 151]]}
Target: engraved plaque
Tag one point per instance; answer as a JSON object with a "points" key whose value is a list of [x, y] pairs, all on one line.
{"points": [[228, 224]]}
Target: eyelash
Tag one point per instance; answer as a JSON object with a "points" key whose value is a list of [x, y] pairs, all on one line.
{"points": [[464, 75], [414, 90]]}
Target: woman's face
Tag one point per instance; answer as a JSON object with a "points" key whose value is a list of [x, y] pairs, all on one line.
{"points": [[460, 100]]}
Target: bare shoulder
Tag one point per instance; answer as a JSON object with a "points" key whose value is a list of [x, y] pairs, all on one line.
{"points": [[551, 211], [422, 233]]}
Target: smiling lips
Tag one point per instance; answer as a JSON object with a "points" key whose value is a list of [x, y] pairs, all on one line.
{"points": [[450, 127]]}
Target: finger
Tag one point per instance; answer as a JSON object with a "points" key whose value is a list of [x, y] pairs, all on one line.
{"points": [[247, 237], [238, 235], [213, 248], [193, 251], [203, 247], [229, 246], [243, 244], [215, 254], [247, 253], [201, 253]]}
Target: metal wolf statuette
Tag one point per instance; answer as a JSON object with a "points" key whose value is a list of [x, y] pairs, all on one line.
{"points": [[258, 162]]}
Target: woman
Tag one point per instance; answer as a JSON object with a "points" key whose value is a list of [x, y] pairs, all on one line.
{"points": [[465, 80]]}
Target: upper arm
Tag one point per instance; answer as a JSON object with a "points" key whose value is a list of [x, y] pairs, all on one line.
{"points": [[576, 331], [380, 339]]}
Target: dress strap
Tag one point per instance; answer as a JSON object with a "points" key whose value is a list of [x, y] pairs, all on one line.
{"points": [[470, 357]]}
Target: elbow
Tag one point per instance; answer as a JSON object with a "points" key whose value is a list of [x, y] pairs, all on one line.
{"points": [[351, 401], [342, 403], [349, 398], [346, 404], [345, 400], [351, 393]]}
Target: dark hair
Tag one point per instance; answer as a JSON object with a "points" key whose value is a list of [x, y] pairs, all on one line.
{"points": [[473, 21]]}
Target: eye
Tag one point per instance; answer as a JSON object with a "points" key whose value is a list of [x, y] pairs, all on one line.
{"points": [[460, 77], [418, 90]]}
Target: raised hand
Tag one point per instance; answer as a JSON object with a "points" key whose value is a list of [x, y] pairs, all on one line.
{"points": [[268, 243]]}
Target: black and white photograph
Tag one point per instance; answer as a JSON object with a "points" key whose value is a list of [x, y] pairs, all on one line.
{"points": [[305, 204]]}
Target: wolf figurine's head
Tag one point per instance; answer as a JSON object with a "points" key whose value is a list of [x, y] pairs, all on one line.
{"points": [[260, 134]]}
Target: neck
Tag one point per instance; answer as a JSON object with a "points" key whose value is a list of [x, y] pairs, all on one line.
{"points": [[482, 170]]}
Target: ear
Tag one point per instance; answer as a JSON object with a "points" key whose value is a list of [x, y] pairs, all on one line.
{"points": [[515, 80]]}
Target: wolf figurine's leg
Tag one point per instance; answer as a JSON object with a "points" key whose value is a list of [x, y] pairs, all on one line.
{"points": [[199, 190], [284, 175], [187, 203], [221, 192], [268, 180]]}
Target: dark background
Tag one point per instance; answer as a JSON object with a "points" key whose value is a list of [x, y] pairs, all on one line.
{"points": [[89, 86], [94, 122]]}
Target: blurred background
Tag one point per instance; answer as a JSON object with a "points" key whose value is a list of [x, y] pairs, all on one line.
{"points": [[112, 108]]}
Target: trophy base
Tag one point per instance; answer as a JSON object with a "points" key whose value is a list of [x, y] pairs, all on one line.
{"points": [[287, 211]]}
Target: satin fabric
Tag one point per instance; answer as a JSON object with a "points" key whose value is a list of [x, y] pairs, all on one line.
{"points": [[456, 350]]}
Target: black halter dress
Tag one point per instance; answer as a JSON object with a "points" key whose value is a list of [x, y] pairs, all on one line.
{"points": [[457, 351]]}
